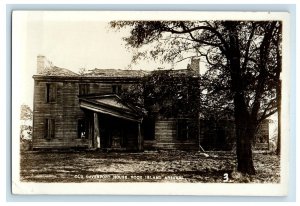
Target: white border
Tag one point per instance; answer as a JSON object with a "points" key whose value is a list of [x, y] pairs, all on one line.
{"points": [[161, 188]]}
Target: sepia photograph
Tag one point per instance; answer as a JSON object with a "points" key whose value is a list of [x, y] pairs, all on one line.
{"points": [[158, 102]]}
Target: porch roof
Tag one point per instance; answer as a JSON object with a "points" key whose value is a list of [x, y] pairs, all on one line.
{"points": [[111, 105]]}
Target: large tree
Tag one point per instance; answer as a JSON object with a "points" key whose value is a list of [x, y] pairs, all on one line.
{"points": [[243, 60]]}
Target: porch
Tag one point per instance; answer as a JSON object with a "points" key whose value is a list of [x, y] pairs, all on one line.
{"points": [[111, 124]]}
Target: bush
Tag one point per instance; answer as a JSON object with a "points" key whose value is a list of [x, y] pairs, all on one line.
{"points": [[26, 144]]}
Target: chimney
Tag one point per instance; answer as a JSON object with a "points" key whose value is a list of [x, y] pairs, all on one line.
{"points": [[41, 61], [194, 67]]}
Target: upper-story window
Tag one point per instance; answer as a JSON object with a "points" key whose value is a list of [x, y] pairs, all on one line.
{"points": [[50, 92], [116, 89], [84, 89]]}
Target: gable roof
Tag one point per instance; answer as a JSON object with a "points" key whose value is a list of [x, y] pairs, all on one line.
{"points": [[110, 104], [113, 101]]}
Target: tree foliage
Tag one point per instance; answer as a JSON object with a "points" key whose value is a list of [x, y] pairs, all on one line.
{"points": [[25, 128], [167, 93], [26, 112], [243, 62], [259, 48]]}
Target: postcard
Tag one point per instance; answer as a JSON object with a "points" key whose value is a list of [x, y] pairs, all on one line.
{"points": [[150, 103]]}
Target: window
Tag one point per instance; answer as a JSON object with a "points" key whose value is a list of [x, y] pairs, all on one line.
{"points": [[50, 128], [187, 129], [116, 89], [50, 93], [84, 89], [81, 129], [182, 129], [149, 128]]}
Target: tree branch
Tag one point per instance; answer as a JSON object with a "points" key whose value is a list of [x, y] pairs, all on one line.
{"points": [[211, 29], [248, 46], [267, 115], [269, 107], [264, 51]]}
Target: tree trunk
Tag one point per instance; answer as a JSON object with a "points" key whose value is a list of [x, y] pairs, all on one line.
{"points": [[243, 121], [245, 131], [244, 150]]}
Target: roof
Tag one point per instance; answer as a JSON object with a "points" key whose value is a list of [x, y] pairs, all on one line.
{"points": [[57, 71], [113, 101], [111, 105], [116, 73], [48, 69], [110, 73]]}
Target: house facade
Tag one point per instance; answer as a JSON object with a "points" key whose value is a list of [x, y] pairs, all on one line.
{"points": [[86, 111]]}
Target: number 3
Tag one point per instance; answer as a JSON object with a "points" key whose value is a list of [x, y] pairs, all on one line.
{"points": [[225, 177]]}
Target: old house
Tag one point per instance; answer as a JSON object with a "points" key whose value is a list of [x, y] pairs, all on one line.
{"points": [[86, 111]]}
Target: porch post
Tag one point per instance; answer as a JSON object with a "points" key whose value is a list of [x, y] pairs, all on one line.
{"points": [[140, 138], [96, 131], [90, 129]]}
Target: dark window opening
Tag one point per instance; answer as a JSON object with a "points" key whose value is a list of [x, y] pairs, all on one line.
{"points": [[182, 129], [84, 89], [50, 93], [50, 128], [116, 89], [81, 129], [149, 128]]}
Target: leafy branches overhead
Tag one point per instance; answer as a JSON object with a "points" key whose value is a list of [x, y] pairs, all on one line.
{"points": [[258, 45], [165, 45], [243, 66]]}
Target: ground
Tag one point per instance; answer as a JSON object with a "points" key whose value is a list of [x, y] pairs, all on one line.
{"points": [[152, 166]]}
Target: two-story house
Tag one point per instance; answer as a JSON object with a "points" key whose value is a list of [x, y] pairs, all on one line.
{"points": [[86, 111]]}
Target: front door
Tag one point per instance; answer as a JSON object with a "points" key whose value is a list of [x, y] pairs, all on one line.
{"points": [[111, 132], [116, 138]]}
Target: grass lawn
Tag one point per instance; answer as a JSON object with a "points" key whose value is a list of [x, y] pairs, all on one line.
{"points": [[152, 166]]}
